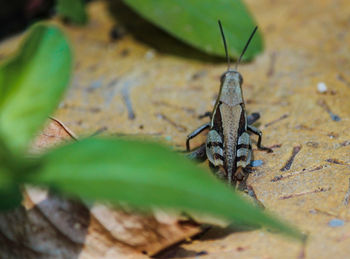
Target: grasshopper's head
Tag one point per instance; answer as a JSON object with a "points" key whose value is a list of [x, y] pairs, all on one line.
{"points": [[231, 80], [230, 90]]}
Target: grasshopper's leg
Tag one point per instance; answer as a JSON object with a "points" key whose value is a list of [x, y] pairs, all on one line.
{"points": [[207, 114], [250, 194], [199, 154], [253, 118], [259, 133], [248, 190], [195, 133]]}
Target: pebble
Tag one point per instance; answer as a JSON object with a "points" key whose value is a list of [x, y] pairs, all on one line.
{"points": [[150, 54], [336, 223], [256, 163], [321, 87]]}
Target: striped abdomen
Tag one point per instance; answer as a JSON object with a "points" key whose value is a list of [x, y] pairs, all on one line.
{"points": [[228, 143]]}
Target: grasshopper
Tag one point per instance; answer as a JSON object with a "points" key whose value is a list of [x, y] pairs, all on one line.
{"points": [[228, 146]]}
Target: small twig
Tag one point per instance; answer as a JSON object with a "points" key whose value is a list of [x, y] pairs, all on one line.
{"points": [[127, 101], [331, 214], [320, 189], [271, 70], [275, 146], [347, 196], [177, 126], [199, 74], [112, 83], [325, 106], [291, 174], [284, 116], [250, 191], [341, 78], [99, 131], [65, 128], [288, 164], [335, 161], [345, 143], [327, 213], [302, 254]]}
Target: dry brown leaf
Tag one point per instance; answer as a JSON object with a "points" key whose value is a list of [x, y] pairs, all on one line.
{"points": [[55, 133], [48, 226]]}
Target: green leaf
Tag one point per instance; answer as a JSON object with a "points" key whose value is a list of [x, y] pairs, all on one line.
{"points": [[73, 10], [196, 23], [145, 174], [10, 193], [32, 83]]}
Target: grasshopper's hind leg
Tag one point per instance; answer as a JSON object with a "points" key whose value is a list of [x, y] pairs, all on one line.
{"points": [[206, 114], [199, 154], [194, 134], [249, 191], [253, 118], [259, 133]]}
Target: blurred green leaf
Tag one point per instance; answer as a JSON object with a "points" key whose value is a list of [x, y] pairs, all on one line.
{"points": [[32, 83], [196, 23], [10, 194], [73, 10], [145, 174]]}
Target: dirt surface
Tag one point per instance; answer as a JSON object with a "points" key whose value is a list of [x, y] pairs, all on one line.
{"points": [[130, 86]]}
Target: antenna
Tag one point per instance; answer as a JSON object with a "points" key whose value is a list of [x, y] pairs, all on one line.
{"points": [[224, 40], [246, 46]]}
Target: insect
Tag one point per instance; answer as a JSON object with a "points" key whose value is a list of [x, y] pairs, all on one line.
{"points": [[228, 146]]}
